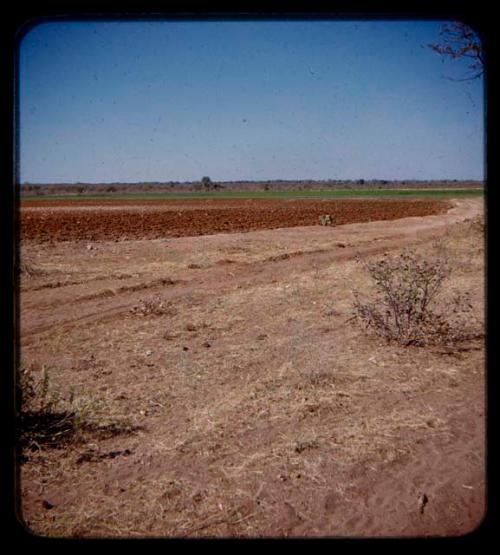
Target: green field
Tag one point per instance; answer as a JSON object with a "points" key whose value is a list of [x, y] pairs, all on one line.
{"points": [[341, 193]]}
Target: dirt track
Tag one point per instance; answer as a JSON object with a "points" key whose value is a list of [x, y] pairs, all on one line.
{"points": [[263, 410], [152, 219]]}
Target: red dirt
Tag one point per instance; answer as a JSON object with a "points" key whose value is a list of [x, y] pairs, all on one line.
{"points": [[98, 220]]}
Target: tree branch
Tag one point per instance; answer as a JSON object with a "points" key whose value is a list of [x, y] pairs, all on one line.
{"points": [[459, 41]]}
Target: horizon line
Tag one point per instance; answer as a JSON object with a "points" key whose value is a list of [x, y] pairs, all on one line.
{"points": [[358, 181]]}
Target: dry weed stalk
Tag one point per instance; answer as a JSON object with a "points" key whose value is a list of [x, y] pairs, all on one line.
{"points": [[29, 270], [47, 418]]}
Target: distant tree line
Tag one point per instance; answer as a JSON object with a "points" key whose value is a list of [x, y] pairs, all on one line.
{"points": [[206, 184]]}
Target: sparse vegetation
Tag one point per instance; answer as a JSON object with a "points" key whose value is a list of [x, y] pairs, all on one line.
{"points": [[49, 419], [28, 269], [156, 306], [325, 219], [263, 411], [406, 308]]}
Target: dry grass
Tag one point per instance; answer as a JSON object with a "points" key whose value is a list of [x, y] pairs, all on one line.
{"points": [[51, 420], [289, 406], [28, 269]]}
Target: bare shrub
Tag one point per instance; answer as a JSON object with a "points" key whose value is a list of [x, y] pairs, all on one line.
{"points": [[156, 306], [406, 307]]}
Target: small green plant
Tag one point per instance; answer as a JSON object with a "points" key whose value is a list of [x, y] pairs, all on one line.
{"points": [[47, 418], [35, 391], [326, 219], [41, 416], [406, 308]]}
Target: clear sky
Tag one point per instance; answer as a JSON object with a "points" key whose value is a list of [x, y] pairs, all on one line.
{"points": [[236, 100]]}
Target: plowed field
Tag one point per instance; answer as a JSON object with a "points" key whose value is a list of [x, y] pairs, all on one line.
{"points": [[46, 220]]}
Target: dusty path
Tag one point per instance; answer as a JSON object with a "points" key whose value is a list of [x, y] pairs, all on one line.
{"points": [[262, 410]]}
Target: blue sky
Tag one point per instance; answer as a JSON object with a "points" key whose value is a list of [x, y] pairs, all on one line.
{"points": [[236, 100]]}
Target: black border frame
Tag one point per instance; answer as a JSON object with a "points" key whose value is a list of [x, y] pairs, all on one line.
{"points": [[480, 16]]}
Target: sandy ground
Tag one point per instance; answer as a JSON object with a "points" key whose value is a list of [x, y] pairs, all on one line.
{"points": [[253, 405]]}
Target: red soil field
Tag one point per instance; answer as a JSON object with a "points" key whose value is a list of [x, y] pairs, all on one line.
{"points": [[98, 220]]}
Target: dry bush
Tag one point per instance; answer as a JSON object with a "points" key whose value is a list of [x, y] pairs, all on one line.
{"points": [[156, 306], [406, 307]]}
